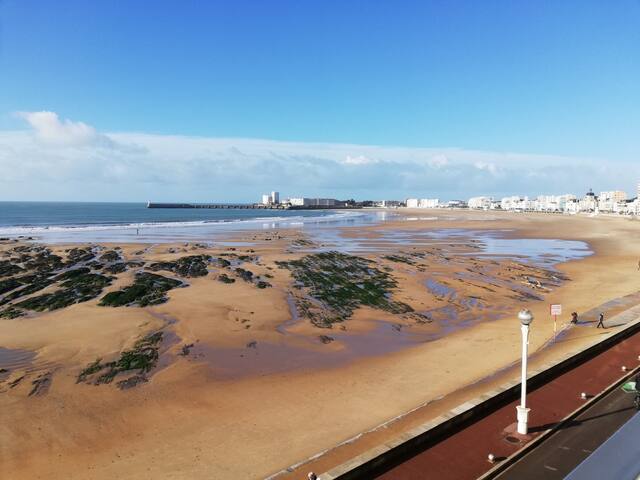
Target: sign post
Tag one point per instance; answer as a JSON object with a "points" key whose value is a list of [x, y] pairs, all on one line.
{"points": [[556, 309]]}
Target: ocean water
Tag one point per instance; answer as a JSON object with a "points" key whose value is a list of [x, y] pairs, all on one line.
{"points": [[94, 222], [29, 215]]}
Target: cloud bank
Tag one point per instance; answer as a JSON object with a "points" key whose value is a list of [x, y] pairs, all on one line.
{"points": [[66, 160]]}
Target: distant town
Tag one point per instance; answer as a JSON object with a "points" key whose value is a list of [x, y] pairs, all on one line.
{"points": [[616, 202]]}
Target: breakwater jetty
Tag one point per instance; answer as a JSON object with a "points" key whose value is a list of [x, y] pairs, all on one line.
{"points": [[245, 206], [236, 206]]}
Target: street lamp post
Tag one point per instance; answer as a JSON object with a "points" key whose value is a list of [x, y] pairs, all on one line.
{"points": [[525, 317]]}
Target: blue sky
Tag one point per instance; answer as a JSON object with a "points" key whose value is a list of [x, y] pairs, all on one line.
{"points": [[526, 96]]}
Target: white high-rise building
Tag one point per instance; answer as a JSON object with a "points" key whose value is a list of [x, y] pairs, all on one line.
{"points": [[266, 200], [275, 198]]}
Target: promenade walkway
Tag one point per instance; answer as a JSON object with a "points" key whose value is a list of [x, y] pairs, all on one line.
{"points": [[463, 455]]}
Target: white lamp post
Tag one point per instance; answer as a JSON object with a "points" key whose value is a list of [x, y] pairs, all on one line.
{"points": [[525, 317]]}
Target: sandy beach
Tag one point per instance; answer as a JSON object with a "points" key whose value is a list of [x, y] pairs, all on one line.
{"points": [[254, 372]]}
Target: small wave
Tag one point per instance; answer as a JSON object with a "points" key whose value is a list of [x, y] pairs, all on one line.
{"points": [[25, 230]]}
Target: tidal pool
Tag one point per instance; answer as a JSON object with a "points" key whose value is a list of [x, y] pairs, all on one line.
{"points": [[496, 243]]}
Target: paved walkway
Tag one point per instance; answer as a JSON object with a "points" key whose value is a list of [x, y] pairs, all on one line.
{"points": [[463, 455], [563, 451]]}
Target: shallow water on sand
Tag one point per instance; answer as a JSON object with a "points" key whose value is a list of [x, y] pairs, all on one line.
{"points": [[11, 359], [262, 358], [494, 243]]}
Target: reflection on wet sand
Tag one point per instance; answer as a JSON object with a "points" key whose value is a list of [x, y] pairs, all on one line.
{"points": [[17, 367], [493, 243], [12, 359], [262, 358]]}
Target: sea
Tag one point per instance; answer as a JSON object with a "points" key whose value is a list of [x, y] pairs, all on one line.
{"points": [[94, 222]]}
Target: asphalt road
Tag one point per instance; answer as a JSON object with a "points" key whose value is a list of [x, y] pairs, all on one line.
{"points": [[565, 449]]}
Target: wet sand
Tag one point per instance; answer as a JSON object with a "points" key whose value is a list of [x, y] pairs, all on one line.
{"points": [[260, 389]]}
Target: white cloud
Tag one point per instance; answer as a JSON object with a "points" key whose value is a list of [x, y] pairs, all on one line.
{"points": [[487, 166], [359, 160], [62, 159], [49, 129], [439, 160]]}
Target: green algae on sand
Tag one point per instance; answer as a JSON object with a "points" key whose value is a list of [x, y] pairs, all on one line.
{"points": [[339, 284], [148, 289]]}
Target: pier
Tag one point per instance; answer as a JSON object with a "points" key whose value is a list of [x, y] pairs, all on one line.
{"points": [[237, 206], [248, 206]]}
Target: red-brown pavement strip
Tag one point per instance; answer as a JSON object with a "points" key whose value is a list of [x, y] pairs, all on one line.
{"points": [[463, 455]]}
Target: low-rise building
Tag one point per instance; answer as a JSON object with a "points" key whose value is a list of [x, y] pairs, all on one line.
{"points": [[632, 207], [298, 201], [552, 203], [313, 202], [572, 206], [511, 203], [480, 203], [422, 203], [388, 203]]}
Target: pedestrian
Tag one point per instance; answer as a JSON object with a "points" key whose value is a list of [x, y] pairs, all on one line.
{"points": [[574, 317], [601, 321], [312, 476]]}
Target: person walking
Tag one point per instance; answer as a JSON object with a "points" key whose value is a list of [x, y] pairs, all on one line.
{"points": [[574, 317], [601, 321]]}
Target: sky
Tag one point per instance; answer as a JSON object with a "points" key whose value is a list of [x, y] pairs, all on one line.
{"points": [[226, 100]]}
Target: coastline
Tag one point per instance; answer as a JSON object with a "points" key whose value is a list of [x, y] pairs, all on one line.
{"points": [[333, 403]]}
